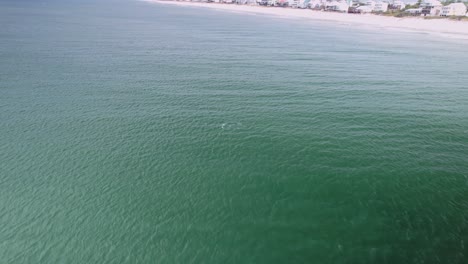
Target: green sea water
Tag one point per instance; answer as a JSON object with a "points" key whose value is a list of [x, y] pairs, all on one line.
{"points": [[144, 133]]}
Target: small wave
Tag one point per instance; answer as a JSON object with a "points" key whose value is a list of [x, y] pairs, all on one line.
{"points": [[230, 125]]}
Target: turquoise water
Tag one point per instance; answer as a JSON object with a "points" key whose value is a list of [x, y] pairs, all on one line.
{"points": [[144, 133]]}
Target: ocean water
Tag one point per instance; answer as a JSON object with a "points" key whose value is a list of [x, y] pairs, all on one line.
{"points": [[144, 133]]}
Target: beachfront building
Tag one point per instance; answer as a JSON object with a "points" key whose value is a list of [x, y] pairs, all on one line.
{"points": [[431, 7], [380, 7], [282, 3], [455, 9], [414, 11], [370, 3], [397, 5], [366, 6], [246, 2], [337, 6], [299, 3], [364, 9], [303, 4], [268, 2], [316, 5]]}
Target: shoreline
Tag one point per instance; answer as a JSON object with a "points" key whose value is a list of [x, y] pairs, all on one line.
{"points": [[457, 29]]}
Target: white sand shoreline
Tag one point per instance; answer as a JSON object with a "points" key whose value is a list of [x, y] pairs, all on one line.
{"points": [[456, 29]]}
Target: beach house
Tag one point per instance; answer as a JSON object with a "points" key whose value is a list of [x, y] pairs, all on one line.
{"points": [[364, 9], [431, 7], [337, 6], [414, 11], [282, 3], [246, 2], [370, 3], [270, 2], [397, 5], [380, 7], [316, 5], [454, 9], [298, 3]]}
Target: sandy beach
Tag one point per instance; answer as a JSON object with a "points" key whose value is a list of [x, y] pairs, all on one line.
{"points": [[443, 27]]}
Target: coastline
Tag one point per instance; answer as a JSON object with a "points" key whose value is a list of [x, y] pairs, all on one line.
{"points": [[457, 29]]}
